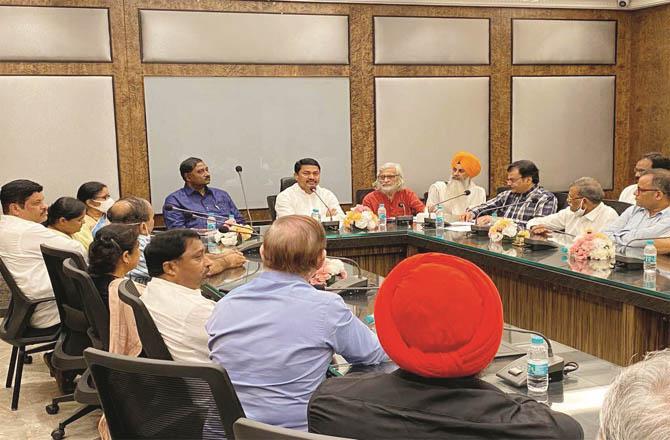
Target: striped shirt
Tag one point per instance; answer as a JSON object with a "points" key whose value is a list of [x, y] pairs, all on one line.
{"points": [[519, 207]]}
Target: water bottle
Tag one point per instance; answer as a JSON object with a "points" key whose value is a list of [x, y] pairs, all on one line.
{"points": [[650, 254], [211, 230], [316, 215], [439, 217], [649, 280], [538, 366], [381, 213], [231, 217]]}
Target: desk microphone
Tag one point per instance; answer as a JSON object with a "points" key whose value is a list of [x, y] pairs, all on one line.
{"points": [[240, 229], [402, 205], [464, 193], [330, 215], [641, 239], [193, 213], [238, 169]]}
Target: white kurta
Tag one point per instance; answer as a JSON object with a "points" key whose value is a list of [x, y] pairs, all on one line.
{"points": [[596, 220], [293, 200], [628, 194], [439, 191], [180, 315], [20, 242]]}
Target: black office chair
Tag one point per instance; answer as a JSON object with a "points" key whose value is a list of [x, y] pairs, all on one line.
{"points": [[285, 182], [618, 206], [16, 331], [158, 399], [153, 344], [561, 199], [68, 355], [361, 193], [272, 201], [247, 429], [97, 317]]}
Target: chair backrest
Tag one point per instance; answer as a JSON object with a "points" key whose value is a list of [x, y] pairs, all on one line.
{"points": [[19, 311], [157, 399], [285, 182], [95, 309], [247, 429], [153, 344], [617, 205], [272, 201], [361, 193], [68, 299], [561, 199]]}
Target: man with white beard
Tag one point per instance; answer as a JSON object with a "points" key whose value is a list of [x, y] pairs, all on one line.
{"points": [[391, 192], [464, 168]]}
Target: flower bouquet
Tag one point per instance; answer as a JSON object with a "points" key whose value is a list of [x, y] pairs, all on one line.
{"points": [[360, 218], [592, 246], [503, 228], [596, 268], [237, 234], [330, 271]]}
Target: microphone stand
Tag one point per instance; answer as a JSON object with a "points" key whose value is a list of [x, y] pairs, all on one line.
{"points": [[624, 262], [404, 219], [244, 194], [331, 225], [430, 223]]}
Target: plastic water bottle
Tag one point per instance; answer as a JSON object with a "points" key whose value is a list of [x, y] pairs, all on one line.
{"points": [[439, 217], [316, 215], [538, 366], [381, 213], [231, 217], [650, 254], [211, 230]]}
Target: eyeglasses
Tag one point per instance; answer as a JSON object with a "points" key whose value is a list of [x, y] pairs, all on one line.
{"points": [[640, 190], [570, 199], [387, 176], [514, 180]]}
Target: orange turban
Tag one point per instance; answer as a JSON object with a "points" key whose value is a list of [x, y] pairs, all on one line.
{"points": [[469, 161], [439, 315]]}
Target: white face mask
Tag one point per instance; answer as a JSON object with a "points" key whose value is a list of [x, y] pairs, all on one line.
{"points": [[581, 211], [105, 205]]}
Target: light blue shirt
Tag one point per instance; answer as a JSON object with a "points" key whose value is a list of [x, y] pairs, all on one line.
{"points": [[141, 274], [636, 224], [276, 336]]}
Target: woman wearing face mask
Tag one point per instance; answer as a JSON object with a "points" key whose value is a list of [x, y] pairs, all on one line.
{"points": [[113, 253], [585, 211], [66, 216], [95, 196]]}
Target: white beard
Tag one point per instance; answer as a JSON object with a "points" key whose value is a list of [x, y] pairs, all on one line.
{"points": [[460, 204]]}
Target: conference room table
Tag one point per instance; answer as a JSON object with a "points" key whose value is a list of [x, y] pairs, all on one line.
{"points": [[580, 394]]}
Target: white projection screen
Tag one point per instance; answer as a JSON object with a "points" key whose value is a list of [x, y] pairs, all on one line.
{"points": [[58, 131], [565, 125], [263, 124], [422, 122]]}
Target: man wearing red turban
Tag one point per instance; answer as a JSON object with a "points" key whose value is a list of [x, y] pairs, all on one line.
{"points": [[440, 319], [464, 168]]}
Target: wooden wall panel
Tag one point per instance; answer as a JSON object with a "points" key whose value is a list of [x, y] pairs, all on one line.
{"points": [[650, 94]]}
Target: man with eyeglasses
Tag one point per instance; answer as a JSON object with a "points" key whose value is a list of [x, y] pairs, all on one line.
{"points": [[525, 199], [390, 190], [650, 160], [306, 195], [198, 196], [586, 211], [650, 217]]}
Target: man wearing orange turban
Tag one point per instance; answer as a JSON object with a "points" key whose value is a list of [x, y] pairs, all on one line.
{"points": [[440, 319], [464, 168]]}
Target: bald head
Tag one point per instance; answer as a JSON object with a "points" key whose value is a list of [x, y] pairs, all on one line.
{"points": [[133, 210], [294, 244]]}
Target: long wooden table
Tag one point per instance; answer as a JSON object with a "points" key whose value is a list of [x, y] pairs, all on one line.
{"points": [[612, 314]]}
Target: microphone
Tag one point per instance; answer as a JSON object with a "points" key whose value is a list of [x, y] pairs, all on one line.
{"points": [[330, 215], [193, 213], [467, 192], [241, 229], [629, 262], [402, 205], [238, 169], [641, 239]]}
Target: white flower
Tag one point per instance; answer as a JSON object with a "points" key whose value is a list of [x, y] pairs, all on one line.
{"points": [[509, 231], [228, 239], [495, 236], [334, 266], [362, 223]]}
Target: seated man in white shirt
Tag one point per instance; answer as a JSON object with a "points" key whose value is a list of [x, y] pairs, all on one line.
{"points": [[21, 235], [650, 160], [303, 196], [464, 168], [177, 264], [586, 211]]}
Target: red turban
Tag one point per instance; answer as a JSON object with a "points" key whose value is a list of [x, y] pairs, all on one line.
{"points": [[439, 315], [469, 161]]}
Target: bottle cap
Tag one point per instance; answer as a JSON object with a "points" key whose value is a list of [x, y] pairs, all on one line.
{"points": [[650, 241], [381, 205], [536, 339]]}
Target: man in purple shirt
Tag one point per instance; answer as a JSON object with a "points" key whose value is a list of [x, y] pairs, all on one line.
{"points": [[197, 196], [276, 335]]}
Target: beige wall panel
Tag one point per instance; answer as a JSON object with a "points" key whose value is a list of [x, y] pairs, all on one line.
{"points": [[422, 122], [54, 34], [216, 37], [420, 40], [564, 42], [566, 126], [58, 131]]}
